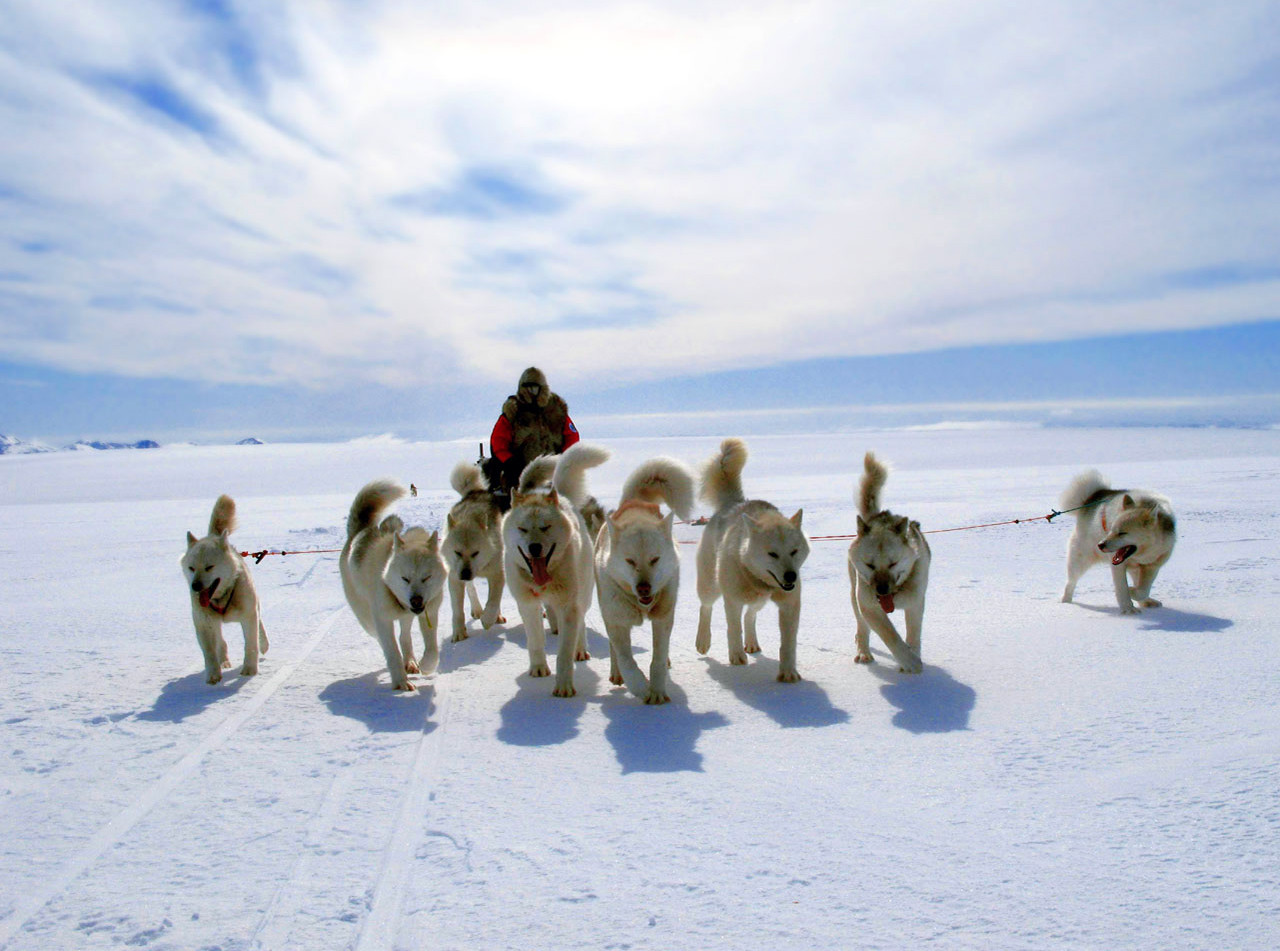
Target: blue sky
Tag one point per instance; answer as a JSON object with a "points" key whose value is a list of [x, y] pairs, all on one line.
{"points": [[307, 219]]}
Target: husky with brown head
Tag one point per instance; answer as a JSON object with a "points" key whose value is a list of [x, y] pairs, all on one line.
{"points": [[222, 591], [473, 549], [1135, 531], [548, 558], [638, 571], [391, 576], [888, 570], [751, 554]]}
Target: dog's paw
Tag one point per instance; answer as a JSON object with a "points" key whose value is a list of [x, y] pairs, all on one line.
{"points": [[249, 670], [753, 647], [539, 670], [460, 636], [656, 697], [581, 655], [477, 614], [738, 659], [703, 644], [564, 691], [214, 678], [226, 664], [1150, 603], [863, 657], [789, 676], [616, 679], [913, 666], [1130, 609], [411, 666], [404, 685]]}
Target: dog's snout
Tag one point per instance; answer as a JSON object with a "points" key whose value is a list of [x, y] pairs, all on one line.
{"points": [[789, 577], [415, 604], [1102, 546], [882, 588], [465, 574], [196, 586], [535, 550], [644, 589]]}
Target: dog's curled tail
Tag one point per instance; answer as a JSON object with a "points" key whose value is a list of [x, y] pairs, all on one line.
{"points": [[537, 473], [570, 478], [467, 478], [720, 484], [874, 475], [662, 480], [1082, 488], [223, 519], [370, 502]]}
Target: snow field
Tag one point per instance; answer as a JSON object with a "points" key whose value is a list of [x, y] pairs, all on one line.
{"points": [[1059, 776]]}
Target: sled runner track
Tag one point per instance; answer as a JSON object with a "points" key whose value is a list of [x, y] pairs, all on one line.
{"points": [[378, 933], [117, 828]]}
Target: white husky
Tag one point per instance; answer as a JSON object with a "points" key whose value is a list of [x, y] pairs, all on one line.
{"points": [[751, 554], [638, 571], [222, 591], [390, 575], [473, 549], [548, 554], [888, 569], [1133, 530]]}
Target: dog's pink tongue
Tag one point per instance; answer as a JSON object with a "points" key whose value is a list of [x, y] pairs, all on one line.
{"points": [[539, 568], [204, 597], [886, 603]]}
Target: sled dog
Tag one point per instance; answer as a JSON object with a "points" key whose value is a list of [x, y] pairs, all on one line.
{"points": [[888, 569], [1133, 530], [222, 591], [638, 571], [390, 575], [548, 556], [473, 549], [751, 554]]}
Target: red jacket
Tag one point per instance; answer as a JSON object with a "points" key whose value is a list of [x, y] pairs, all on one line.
{"points": [[500, 438]]}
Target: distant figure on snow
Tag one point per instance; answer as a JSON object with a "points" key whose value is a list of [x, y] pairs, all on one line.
{"points": [[534, 422]]}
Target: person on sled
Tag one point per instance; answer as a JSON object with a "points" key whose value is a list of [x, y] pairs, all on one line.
{"points": [[534, 422]]}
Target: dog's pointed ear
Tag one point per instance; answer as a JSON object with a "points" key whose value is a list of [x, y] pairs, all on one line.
{"points": [[797, 518], [517, 498], [397, 541], [553, 496], [613, 531], [862, 526], [901, 524], [433, 543], [450, 522], [1127, 502], [668, 525], [191, 541], [750, 520]]}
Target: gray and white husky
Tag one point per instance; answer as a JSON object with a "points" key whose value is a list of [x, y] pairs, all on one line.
{"points": [[638, 571], [222, 591], [1135, 531], [548, 551], [751, 554], [473, 549], [888, 569], [391, 575]]}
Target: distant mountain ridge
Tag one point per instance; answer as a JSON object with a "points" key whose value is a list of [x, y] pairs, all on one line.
{"points": [[13, 446]]}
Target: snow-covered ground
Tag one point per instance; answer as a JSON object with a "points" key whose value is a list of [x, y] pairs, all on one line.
{"points": [[1059, 777]]}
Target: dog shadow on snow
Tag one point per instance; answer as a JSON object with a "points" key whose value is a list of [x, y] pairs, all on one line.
{"points": [[801, 704], [1168, 619], [535, 718], [189, 695], [931, 701], [661, 739], [370, 699]]}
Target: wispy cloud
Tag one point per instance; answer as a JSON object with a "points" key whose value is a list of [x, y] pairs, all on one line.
{"points": [[314, 193]]}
